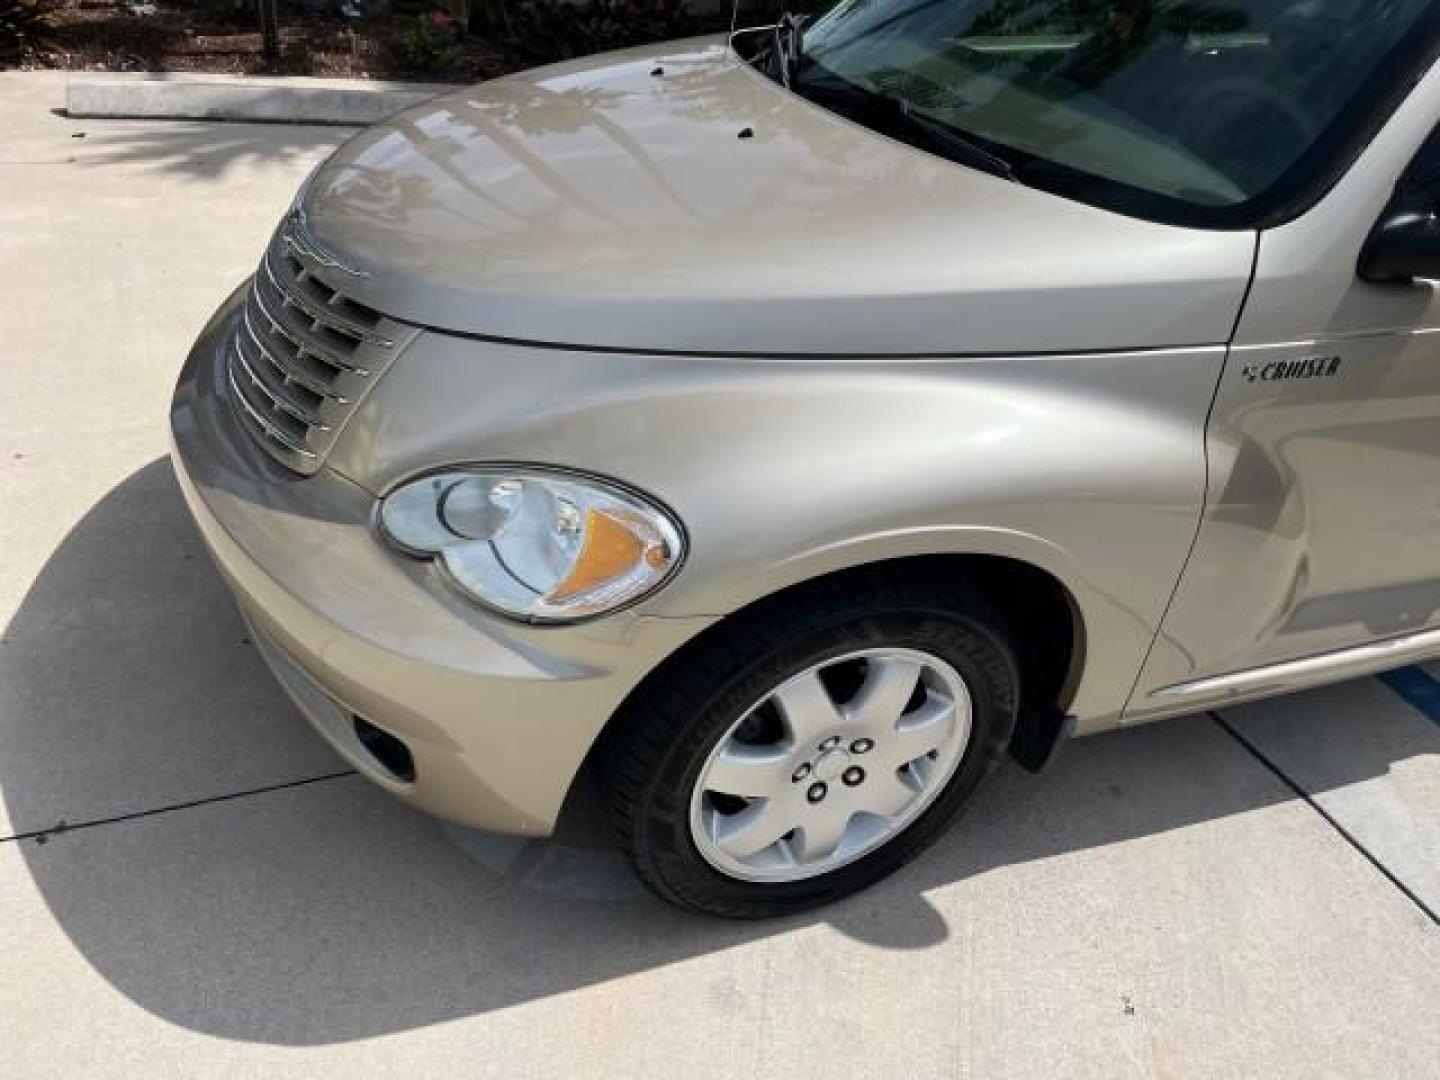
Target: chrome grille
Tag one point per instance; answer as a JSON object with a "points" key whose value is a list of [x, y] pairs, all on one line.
{"points": [[302, 356]]}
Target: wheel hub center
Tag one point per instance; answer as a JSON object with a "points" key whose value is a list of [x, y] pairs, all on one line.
{"points": [[831, 764]]}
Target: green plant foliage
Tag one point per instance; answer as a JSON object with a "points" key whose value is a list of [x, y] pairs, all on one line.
{"points": [[430, 43]]}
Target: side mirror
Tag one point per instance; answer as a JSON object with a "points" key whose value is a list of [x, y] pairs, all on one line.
{"points": [[1405, 245]]}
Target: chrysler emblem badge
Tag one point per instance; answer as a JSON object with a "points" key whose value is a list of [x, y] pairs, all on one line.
{"points": [[300, 241]]}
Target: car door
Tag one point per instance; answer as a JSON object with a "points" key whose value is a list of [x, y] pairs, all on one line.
{"points": [[1321, 530]]}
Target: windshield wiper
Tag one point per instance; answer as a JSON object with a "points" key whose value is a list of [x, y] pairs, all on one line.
{"points": [[954, 142], [899, 118]]}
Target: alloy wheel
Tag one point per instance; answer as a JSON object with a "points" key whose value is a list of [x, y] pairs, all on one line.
{"points": [[830, 765]]}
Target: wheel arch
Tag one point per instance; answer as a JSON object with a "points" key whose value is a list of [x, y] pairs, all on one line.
{"points": [[1046, 625]]}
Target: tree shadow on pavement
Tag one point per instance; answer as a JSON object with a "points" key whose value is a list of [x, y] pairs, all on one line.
{"points": [[199, 150], [323, 911]]}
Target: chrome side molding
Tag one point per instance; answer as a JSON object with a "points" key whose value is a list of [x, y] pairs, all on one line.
{"points": [[1309, 671]]}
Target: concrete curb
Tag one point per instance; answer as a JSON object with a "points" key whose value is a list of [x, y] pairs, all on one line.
{"points": [[263, 99]]}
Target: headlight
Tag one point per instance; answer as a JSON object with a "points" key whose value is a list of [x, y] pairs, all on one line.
{"points": [[541, 546]]}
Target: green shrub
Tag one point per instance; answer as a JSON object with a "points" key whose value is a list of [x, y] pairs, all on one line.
{"points": [[428, 43]]}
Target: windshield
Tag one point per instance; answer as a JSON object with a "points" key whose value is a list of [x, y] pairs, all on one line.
{"points": [[1205, 112]]}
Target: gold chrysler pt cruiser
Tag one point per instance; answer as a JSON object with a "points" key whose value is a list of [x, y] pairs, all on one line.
{"points": [[791, 426]]}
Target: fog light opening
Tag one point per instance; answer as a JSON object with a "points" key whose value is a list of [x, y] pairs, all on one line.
{"points": [[392, 754]]}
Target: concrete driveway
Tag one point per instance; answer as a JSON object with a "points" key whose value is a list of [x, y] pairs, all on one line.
{"points": [[191, 884]]}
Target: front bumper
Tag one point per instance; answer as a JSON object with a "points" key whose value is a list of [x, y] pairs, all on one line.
{"points": [[497, 716]]}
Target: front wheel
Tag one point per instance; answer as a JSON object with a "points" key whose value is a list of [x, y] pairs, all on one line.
{"points": [[788, 760]]}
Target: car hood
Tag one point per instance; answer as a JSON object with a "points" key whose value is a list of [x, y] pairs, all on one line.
{"points": [[674, 199]]}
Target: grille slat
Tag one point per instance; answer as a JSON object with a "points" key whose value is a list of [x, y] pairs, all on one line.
{"points": [[276, 393], [301, 334], [301, 357], [325, 311], [291, 366], [272, 431]]}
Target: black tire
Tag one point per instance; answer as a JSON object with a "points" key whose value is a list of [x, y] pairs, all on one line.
{"points": [[668, 728]]}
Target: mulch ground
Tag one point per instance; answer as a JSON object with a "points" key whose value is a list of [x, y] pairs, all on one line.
{"points": [[222, 36]]}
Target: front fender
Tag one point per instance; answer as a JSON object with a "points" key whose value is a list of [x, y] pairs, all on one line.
{"points": [[1089, 467]]}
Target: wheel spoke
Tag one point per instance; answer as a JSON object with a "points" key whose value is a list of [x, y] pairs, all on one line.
{"points": [[749, 771], [805, 705], [890, 793], [752, 830], [923, 730], [889, 684], [821, 832]]}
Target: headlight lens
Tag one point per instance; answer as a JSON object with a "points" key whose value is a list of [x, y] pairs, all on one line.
{"points": [[541, 546]]}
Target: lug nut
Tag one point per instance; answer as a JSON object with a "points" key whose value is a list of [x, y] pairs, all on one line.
{"points": [[862, 746], [853, 775], [816, 792], [830, 743], [800, 773]]}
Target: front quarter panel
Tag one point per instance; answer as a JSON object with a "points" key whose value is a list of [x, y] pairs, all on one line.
{"points": [[1089, 466]]}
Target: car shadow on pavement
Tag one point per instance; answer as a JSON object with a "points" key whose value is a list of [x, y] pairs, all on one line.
{"points": [[320, 911]]}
